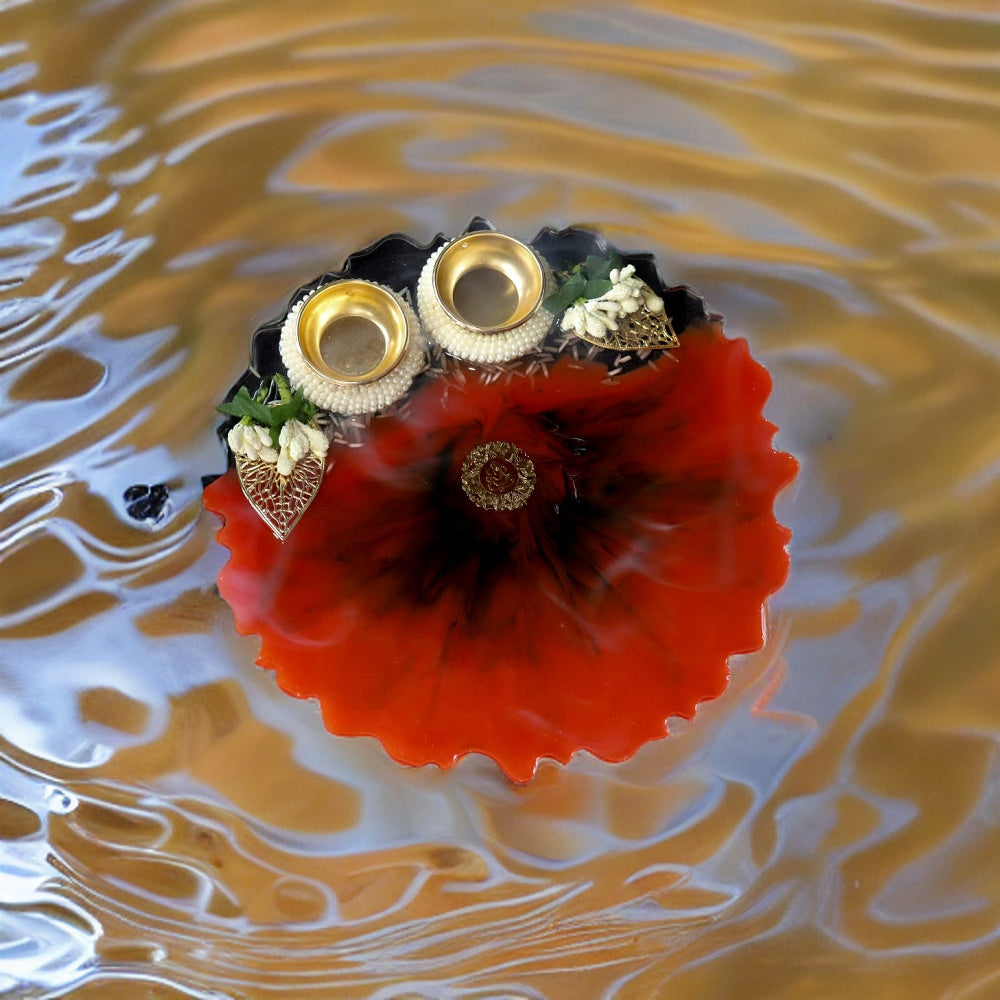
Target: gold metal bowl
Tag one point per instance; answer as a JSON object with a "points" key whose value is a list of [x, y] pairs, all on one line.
{"points": [[488, 282], [352, 332]]}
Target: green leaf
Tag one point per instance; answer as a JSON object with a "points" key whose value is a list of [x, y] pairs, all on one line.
{"points": [[307, 410], [596, 287], [556, 302], [587, 280], [565, 297], [284, 390], [278, 414], [253, 408], [598, 267], [291, 407], [590, 279], [244, 405]]}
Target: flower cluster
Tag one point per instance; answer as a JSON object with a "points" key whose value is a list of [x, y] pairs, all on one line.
{"points": [[295, 441], [599, 316]]}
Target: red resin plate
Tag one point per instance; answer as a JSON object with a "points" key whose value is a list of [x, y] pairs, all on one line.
{"points": [[610, 601]]}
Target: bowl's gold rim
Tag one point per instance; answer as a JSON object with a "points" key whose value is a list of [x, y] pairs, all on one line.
{"points": [[492, 250], [369, 301]]}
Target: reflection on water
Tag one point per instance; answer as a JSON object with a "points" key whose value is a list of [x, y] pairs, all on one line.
{"points": [[171, 825]]}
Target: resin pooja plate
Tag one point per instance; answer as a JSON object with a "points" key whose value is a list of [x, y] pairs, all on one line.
{"points": [[499, 497]]}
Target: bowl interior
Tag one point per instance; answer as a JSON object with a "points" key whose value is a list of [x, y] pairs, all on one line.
{"points": [[488, 282], [352, 332]]}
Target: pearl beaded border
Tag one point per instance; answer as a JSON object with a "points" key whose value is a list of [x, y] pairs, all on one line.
{"points": [[363, 397], [484, 348]]}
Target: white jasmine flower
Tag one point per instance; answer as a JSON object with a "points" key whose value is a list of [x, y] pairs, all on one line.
{"points": [[296, 440], [618, 292], [235, 438], [244, 441], [653, 301], [298, 447], [252, 441], [318, 441], [596, 317], [293, 441], [575, 319], [594, 327]]}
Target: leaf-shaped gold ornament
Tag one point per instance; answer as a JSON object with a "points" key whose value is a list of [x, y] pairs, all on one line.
{"points": [[639, 331], [280, 500]]}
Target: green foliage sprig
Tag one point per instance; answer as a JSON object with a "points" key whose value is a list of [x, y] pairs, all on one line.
{"points": [[256, 410], [587, 280]]}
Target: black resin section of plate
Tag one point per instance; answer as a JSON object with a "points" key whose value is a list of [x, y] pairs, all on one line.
{"points": [[397, 260]]}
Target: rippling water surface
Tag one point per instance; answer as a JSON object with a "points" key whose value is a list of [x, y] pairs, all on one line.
{"points": [[826, 174]]}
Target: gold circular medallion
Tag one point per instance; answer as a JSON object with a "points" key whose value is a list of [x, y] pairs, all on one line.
{"points": [[498, 476]]}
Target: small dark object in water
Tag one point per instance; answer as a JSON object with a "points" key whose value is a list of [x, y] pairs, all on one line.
{"points": [[146, 503]]}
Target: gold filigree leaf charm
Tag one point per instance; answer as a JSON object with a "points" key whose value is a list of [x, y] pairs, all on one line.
{"points": [[280, 500], [280, 452], [642, 330]]}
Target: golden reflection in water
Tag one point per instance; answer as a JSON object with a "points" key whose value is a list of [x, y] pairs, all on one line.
{"points": [[825, 174]]}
